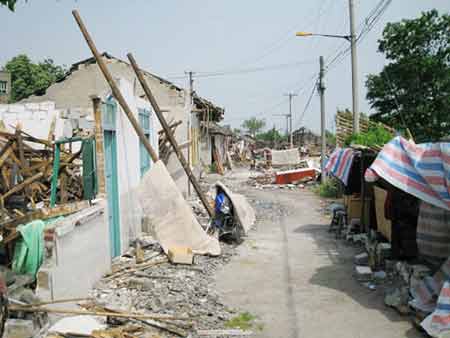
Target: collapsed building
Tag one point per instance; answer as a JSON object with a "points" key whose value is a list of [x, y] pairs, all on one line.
{"points": [[62, 121]]}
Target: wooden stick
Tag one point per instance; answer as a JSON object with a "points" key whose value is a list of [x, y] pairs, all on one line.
{"points": [[22, 185], [97, 313], [170, 136], [127, 270], [115, 90], [59, 301]]}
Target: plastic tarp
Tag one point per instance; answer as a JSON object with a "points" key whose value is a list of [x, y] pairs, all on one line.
{"points": [[244, 212], [285, 157], [340, 163], [172, 219], [29, 250], [422, 170]]}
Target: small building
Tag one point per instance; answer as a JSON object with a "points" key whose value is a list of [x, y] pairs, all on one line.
{"points": [[215, 142], [305, 137], [5, 86]]}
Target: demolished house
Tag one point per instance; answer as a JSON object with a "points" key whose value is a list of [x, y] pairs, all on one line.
{"points": [[63, 123], [84, 79], [215, 143]]}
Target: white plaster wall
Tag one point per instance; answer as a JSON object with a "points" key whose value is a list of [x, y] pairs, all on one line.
{"points": [[128, 158], [36, 119], [82, 257]]}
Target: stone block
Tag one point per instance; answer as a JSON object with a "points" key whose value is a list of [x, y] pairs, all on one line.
{"points": [[361, 259], [19, 328], [47, 106], [181, 255], [32, 106], [44, 279], [16, 108], [363, 273]]}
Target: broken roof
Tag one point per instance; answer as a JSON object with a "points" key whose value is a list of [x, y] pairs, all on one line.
{"points": [[74, 89], [215, 128]]}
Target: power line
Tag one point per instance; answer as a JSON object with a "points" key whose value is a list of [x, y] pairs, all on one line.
{"points": [[364, 28], [246, 70]]}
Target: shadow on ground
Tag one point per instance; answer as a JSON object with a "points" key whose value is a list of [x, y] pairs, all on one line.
{"points": [[340, 274]]}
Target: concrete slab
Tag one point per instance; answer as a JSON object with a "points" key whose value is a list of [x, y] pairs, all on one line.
{"points": [[285, 157], [172, 219]]}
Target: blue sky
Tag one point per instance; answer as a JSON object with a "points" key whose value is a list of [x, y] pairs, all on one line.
{"points": [[169, 37]]}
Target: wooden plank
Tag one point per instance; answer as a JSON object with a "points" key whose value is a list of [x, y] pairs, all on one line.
{"points": [[22, 185], [46, 213], [5, 155]]}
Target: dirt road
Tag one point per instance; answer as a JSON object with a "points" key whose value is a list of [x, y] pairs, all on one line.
{"points": [[297, 279]]}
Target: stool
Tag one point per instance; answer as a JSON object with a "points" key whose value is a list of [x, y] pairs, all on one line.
{"points": [[341, 222]]}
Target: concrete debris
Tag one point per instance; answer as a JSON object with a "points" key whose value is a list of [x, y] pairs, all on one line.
{"points": [[180, 255], [379, 275], [361, 259], [363, 273], [19, 328], [398, 299], [83, 325], [167, 289]]}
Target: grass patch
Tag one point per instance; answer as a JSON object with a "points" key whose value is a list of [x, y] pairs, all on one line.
{"points": [[244, 321], [329, 189]]}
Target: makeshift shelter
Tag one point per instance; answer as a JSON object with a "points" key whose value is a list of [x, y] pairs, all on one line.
{"points": [[420, 173]]}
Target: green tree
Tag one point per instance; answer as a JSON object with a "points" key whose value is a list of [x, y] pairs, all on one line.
{"points": [[331, 137], [272, 135], [29, 78], [253, 125], [9, 3], [413, 90]]}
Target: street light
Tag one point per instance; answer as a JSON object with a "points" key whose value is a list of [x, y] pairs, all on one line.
{"points": [[350, 38], [303, 34]]}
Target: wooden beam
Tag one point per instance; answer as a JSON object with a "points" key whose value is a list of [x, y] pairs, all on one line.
{"points": [[22, 185], [170, 136], [99, 150]]}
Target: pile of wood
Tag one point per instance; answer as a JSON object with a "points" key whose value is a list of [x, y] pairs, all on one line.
{"points": [[344, 126], [26, 169], [165, 149]]}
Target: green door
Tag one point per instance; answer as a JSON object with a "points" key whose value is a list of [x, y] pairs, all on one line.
{"points": [[112, 187]]}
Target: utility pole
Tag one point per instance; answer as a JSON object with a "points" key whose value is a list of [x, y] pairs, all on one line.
{"points": [[321, 89], [191, 107], [355, 105], [291, 96]]}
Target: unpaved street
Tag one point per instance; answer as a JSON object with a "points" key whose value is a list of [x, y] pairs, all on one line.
{"points": [[298, 280]]}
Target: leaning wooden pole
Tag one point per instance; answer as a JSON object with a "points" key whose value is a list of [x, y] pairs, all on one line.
{"points": [[115, 90], [170, 135]]}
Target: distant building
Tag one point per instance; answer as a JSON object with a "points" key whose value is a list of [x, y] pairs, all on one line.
{"points": [[305, 137], [5, 86]]}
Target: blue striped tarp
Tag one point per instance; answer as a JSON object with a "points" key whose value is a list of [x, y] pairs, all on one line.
{"points": [[422, 170], [340, 163]]}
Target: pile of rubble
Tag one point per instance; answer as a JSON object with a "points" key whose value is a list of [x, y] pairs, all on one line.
{"points": [[145, 295]]}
